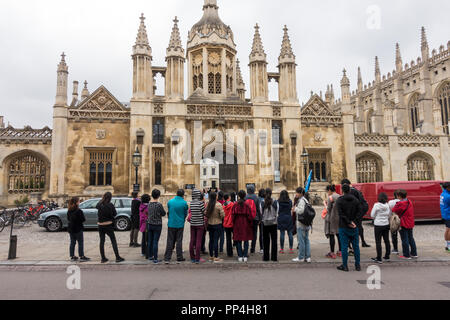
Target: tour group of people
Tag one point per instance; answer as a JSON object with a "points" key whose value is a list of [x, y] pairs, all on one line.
{"points": [[236, 222]]}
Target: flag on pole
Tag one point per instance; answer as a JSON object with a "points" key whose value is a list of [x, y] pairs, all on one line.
{"points": [[308, 184]]}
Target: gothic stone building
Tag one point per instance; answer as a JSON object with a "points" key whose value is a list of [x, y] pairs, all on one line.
{"points": [[394, 129]]}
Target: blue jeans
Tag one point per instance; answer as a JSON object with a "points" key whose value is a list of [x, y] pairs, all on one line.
{"points": [[74, 238], [214, 234], [242, 254], [282, 237], [347, 235], [408, 241], [154, 233], [304, 246]]}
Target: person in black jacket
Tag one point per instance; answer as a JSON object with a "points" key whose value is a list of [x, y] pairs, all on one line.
{"points": [[364, 208], [106, 214], [76, 218], [348, 208], [134, 233], [257, 221]]}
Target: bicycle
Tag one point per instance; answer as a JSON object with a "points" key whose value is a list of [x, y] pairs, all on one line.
{"points": [[2, 218]]}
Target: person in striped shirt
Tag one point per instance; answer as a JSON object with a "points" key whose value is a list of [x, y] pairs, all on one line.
{"points": [[197, 220]]}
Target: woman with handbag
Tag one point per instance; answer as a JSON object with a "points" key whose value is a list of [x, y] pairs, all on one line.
{"points": [[269, 209], [332, 222], [394, 229], [304, 250]]}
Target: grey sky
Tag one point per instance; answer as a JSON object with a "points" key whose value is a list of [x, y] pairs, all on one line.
{"points": [[97, 36]]}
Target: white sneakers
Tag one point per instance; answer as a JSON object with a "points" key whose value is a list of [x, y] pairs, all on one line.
{"points": [[245, 260], [308, 260]]}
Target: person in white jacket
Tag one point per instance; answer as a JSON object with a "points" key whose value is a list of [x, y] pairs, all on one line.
{"points": [[381, 214]]}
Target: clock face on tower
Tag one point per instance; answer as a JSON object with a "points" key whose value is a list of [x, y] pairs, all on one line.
{"points": [[214, 58]]}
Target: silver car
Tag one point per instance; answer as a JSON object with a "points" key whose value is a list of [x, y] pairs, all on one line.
{"points": [[56, 220]]}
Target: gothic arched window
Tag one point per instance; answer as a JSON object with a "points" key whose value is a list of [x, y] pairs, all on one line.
{"points": [[369, 122], [444, 101], [420, 168], [27, 173], [368, 169], [413, 112]]}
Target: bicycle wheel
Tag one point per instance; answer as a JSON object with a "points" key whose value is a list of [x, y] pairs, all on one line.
{"points": [[19, 219], [2, 224]]}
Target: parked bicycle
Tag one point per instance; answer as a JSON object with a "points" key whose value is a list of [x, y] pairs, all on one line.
{"points": [[2, 218]]}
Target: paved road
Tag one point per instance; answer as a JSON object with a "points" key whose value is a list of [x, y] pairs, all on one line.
{"points": [[303, 282]]}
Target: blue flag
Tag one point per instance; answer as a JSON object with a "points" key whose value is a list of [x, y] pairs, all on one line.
{"points": [[308, 184]]}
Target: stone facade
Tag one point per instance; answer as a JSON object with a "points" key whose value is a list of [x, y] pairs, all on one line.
{"points": [[395, 128]]}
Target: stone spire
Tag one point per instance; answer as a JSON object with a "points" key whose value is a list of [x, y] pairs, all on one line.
{"points": [[175, 47], [360, 81], [240, 81], [257, 53], [377, 70], [286, 55], [398, 59], [85, 93], [424, 46], [345, 82], [62, 84], [142, 45]]}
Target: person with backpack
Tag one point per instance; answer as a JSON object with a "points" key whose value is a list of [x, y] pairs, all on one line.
{"points": [[215, 215], [143, 218], [134, 233], [228, 224], [242, 217], [305, 217], [381, 214], [269, 209], [332, 222], [445, 211], [405, 210], [253, 201], [285, 224], [349, 208], [364, 209], [154, 225], [76, 219], [197, 220], [394, 233]]}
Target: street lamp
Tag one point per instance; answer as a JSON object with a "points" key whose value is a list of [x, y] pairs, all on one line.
{"points": [[305, 157], [137, 161]]}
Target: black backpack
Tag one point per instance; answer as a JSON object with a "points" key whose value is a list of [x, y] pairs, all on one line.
{"points": [[307, 217]]}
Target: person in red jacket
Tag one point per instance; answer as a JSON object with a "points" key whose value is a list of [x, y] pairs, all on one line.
{"points": [[242, 226], [405, 210], [228, 224]]}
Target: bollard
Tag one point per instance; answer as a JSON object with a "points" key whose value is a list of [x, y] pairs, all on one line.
{"points": [[12, 248]]}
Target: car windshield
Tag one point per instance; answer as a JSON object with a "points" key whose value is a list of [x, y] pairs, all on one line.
{"points": [[90, 204]]}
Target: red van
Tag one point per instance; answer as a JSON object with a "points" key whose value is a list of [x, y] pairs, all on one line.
{"points": [[425, 196]]}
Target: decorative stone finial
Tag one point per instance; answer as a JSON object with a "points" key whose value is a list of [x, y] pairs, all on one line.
{"points": [[286, 55], [257, 53], [175, 47]]}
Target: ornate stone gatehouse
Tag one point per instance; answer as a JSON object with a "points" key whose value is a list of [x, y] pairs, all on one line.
{"points": [[394, 128]]}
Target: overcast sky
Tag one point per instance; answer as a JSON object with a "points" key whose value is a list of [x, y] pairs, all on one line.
{"points": [[97, 36]]}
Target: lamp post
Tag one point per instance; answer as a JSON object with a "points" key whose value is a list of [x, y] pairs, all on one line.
{"points": [[137, 161], [305, 157]]}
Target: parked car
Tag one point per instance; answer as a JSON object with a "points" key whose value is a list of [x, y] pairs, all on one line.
{"points": [[56, 220], [425, 196]]}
